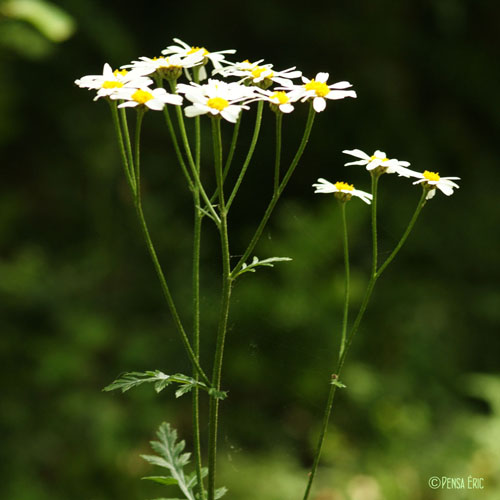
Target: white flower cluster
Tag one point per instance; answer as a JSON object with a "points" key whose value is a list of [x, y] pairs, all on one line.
{"points": [[131, 85], [379, 163]]}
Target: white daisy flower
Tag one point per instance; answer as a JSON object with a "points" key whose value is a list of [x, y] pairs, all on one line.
{"points": [[432, 181], [216, 58], [151, 98], [168, 67], [279, 100], [380, 160], [217, 98], [261, 75], [341, 190], [318, 90], [110, 81]]}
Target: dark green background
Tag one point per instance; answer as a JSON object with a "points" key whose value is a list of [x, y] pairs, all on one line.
{"points": [[79, 301]]}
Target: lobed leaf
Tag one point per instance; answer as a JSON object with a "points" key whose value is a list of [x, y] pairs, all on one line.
{"points": [[250, 268]]}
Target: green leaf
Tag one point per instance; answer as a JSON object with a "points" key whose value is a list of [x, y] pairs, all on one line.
{"points": [[217, 394], [220, 492], [250, 268], [161, 479], [171, 457], [338, 383], [160, 380]]}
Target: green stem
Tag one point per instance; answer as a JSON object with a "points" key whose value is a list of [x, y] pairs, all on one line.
{"points": [[128, 144], [224, 312], [343, 353], [137, 169], [177, 149], [347, 279], [196, 316], [191, 161], [401, 242], [334, 377], [232, 147], [275, 198], [126, 166], [279, 123], [156, 262], [375, 178], [256, 131]]}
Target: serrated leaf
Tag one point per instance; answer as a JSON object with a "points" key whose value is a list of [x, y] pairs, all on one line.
{"points": [[220, 492], [217, 394], [171, 457], [250, 268], [338, 383], [161, 479], [160, 380]]}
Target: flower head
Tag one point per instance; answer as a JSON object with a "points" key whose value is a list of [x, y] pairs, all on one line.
{"points": [[110, 81], [150, 98], [183, 49], [216, 98], [432, 181], [341, 190], [318, 90], [279, 100], [261, 75], [168, 67], [380, 161]]}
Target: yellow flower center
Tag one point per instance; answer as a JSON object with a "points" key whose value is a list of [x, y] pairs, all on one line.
{"points": [[196, 49], [320, 88], [344, 186], [281, 96], [217, 103], [431, 176], [111, 84], [258, 70], [377, 158], [120, 72], [142, 96]]}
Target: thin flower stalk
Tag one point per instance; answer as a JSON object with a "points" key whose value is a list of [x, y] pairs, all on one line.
{"points": [[346, 340], [255, 136], [119, 136], [275, 198], [135, 167], [277, 160], [187, 148], [198, 219], [224, 311], [334, 377]]}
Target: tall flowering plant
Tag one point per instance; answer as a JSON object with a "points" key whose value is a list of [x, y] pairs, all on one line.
{"points": [[177, 83]]}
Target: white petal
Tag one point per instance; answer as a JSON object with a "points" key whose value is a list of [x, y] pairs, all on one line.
{"points": [[191, 111], [286, 108], [322, 77], [340, 85], [128, 104], [231, 113], [447, 190], [357, 153], [357, 162], [319, 104], [341, 94]]}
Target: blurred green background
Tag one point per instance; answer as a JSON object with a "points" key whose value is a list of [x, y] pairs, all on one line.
{"points": [[79, 301]]}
